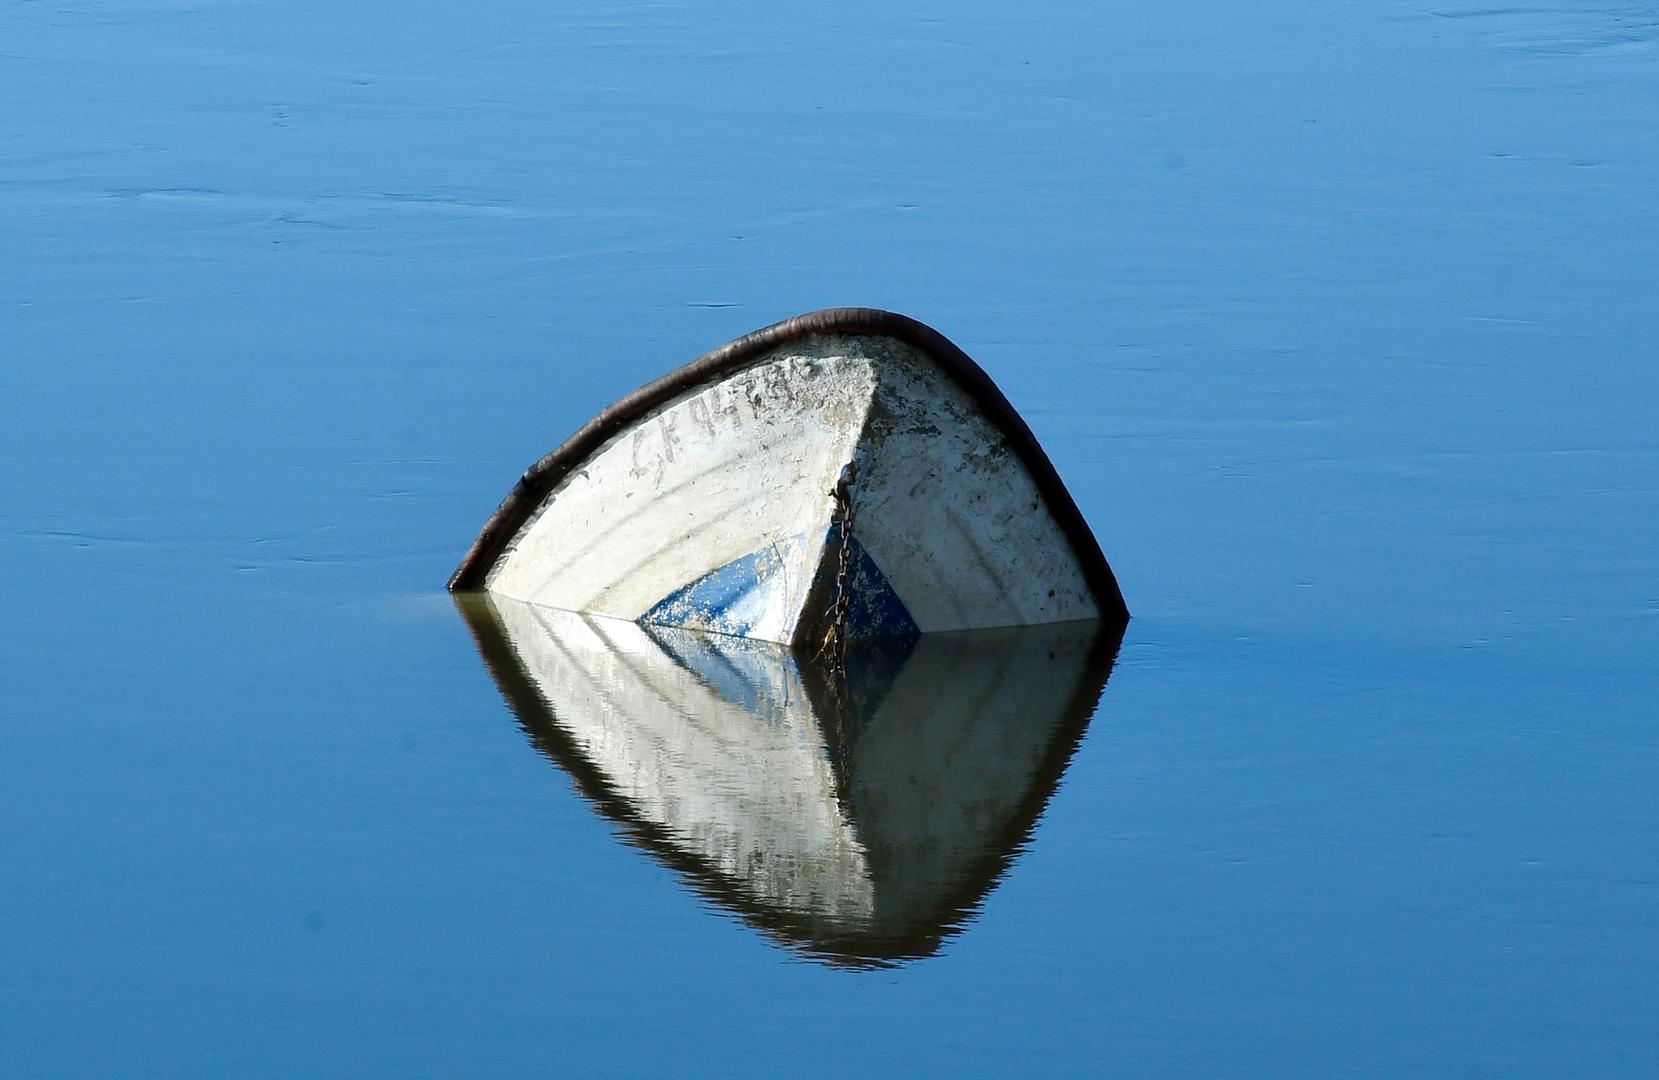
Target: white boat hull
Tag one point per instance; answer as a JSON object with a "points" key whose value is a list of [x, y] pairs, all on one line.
{"points": [[822, 477]]}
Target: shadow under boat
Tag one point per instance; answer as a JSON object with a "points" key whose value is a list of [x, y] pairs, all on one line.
{"points": [[858, 816]]}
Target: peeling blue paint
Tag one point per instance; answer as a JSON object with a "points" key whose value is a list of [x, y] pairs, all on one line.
{"points": [[874, 610], [726, 600], [732, 598]]}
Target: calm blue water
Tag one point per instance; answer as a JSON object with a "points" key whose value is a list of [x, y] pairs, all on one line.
{"points": [[1338, 320]]}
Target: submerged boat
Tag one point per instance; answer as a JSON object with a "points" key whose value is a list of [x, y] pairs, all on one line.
{"points": [[844, 474], [856, 816]]}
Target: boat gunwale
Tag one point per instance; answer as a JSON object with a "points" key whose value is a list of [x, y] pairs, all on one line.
{"points": [[542, 477]]}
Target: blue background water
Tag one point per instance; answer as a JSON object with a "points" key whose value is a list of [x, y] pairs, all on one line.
{"points": [[1338, 320]]}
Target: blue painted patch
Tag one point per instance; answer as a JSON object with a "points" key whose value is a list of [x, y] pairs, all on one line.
{"points": [[729, 599], [874, 610]]}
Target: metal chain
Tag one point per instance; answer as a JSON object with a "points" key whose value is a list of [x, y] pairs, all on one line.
{"points": [[835, 636]]}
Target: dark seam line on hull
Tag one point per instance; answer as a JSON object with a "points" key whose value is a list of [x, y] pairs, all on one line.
{"points": [[984, 565]]}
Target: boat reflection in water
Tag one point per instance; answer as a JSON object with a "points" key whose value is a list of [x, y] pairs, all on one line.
{"points": [[858, 818]]}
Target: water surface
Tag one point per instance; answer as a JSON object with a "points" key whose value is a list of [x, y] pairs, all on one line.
{"points": [[1338, 323]]}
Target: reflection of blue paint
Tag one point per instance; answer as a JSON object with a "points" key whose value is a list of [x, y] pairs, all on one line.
{"points": [[757, 676]]}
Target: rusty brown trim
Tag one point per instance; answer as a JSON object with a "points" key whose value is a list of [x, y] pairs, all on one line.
{"points": [[546, 474]]}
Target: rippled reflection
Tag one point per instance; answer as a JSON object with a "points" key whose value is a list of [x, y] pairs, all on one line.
{"points": [[858, 820]]}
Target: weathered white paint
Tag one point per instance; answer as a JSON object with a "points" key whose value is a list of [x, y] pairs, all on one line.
{"points": [[946, 510], [718, 474], [949, 513]]}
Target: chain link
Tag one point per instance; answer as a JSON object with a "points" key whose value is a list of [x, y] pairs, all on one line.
{"points": [[834, 644]]}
